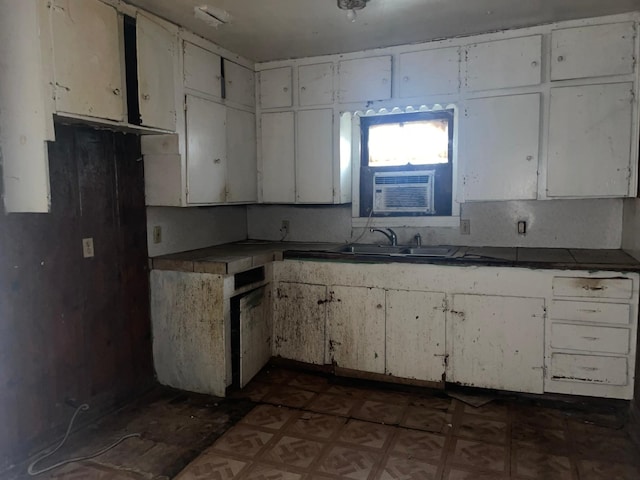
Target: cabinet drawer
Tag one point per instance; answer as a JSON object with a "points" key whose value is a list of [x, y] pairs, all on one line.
{"points": [[589, 368], [589, 338], [617, 313], [592, 287]]}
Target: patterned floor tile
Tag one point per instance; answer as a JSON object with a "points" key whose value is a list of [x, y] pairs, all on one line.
{"points": [[543, 417], [349, 463], [293, 451], [289, 396], [365, 434], [313, 383], [269, 416], [268, 472], [316, 425], [255, 391], [459, 473], [387, 396], [418, 444], [347, 391], [407, 468], [432, 403], [481, 428], [595, 470], [543, 439], [380, 412], [278, 376], [611, 449], [428, 420], [333, 404], [212, 466], [479, 455], [589, 429], [492, 409], [536, 464], [243, 440]]}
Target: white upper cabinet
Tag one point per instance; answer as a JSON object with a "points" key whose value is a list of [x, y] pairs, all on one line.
{"points": [[514, 62], [157, 49], [314, 158], [430, 72], [590, 141], [88, 74], [202, 70], [593, 51], [206, 151], [277, 132], [499, 147], [275, 88], [241, 157], [365, 79], [315, 84], [239, 84]]}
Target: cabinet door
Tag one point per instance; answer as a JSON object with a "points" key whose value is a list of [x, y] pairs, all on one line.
{"points": [[355, 328], [242, 169], [277, 131], [500, 144], [202, 70], [316, 84], [275, 88], [86, 39], [206, 151], [594, 51], [239, 84], [156, 61], [314, 159], [590, 141], [299, 322], [255, 333], [514, 62], [497, 342], [415, 331], [430, 72], [365, 79]]}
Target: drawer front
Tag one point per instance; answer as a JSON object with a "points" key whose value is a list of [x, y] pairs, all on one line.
{"points": [[590, 339], [589, 368], [616, 313], [592, 287]]}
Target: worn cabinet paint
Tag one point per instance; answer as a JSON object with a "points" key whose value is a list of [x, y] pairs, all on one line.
{"points": [[300, 315], [157, 48], [497, 342], [239, 84], [314, 156], [315, 83], [87, 66], [276, 88], [365, 79], [277, 132], [415, 335], [499, 148], [590, 141], [206, 151], [514, 62], [355, 328], [241, 156], [593, 51], [255, 332], [202, 70], [604, 371], [429, 72]]}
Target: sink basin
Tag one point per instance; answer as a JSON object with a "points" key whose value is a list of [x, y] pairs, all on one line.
{"points": [[373, 249], [432, 251]]}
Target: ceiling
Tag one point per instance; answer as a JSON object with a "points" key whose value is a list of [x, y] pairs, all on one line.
{"points": [[264, 30]]}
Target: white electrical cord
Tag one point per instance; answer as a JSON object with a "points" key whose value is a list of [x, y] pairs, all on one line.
{"points": [[84, 407]]}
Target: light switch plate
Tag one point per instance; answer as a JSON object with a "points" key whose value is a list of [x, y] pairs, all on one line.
{"points": [[465, 227], [87, 248], [157, 234]]}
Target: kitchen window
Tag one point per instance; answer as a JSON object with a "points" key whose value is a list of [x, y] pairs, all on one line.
{"points": [[410, 155]]}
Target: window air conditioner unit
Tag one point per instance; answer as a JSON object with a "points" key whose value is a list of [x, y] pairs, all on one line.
{"points": [[403, 192]]}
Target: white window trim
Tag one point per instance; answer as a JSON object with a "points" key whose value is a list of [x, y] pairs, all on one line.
{"points": [[356, 220]]}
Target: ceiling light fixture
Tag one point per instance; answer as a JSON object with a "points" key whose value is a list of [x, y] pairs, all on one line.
{"points": [[212, 15], [351, 6]]}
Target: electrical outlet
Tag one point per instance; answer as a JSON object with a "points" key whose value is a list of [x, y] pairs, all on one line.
{"points": [[465, 227], [157, 234], [522, 227], [284, 228], [87, 248]]}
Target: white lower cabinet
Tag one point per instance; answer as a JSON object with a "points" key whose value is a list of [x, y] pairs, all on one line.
{"points": [[255, 332], [415, 335], [300, 315], [356, 328], [497, 342]]}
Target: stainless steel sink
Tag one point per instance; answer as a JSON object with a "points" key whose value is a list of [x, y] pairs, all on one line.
{"points": [[399, 250], [432, 251]]}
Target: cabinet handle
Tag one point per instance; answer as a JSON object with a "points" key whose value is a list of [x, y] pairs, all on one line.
{"points": [[561, 58], [216, 160], [286, 89], [405, 79], [116, 91], [529, 158], [591, 339], [304, 89], [534, 64], [146, 96]]}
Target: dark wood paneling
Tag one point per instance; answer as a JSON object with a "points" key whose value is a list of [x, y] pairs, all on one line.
{"points": [[74, 328]]}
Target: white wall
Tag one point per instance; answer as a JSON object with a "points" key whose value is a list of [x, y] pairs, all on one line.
{"points": [[559, 223], [191, 228], [631, 227]]}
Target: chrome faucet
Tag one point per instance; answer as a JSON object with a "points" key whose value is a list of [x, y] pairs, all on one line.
{"points": [[393, 238]]}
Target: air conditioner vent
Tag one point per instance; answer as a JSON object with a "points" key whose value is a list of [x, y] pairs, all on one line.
{"points": [[408, 192]]}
